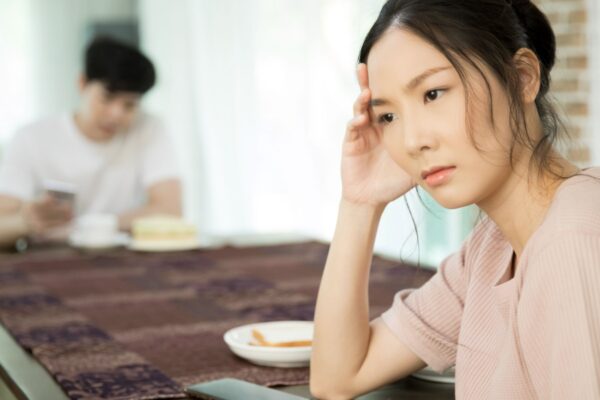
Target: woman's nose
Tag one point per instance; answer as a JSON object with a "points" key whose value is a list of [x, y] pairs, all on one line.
{"points": [[418, 135]]}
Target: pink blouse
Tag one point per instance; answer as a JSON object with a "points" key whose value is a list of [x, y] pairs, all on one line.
{"points": [[535, 336]]}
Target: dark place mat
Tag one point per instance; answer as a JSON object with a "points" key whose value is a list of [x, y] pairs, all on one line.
{"points": [[130, 326]]}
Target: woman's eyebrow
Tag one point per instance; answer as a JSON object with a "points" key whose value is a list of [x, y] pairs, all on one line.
{"points": [[416, 81], [378, 102]]}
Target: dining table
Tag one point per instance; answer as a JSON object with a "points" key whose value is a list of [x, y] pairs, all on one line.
{"points": [[129, 325]]}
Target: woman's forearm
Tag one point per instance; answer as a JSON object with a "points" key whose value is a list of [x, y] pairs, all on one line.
{"points": [[342, 313]]}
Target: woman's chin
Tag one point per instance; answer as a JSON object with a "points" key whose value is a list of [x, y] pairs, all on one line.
{"points": [[451, 200]]}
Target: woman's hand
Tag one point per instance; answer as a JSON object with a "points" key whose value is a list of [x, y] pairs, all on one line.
{"points": [[369, 175]]}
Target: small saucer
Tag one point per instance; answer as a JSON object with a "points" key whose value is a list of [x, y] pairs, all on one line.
{"points": [[428, 374], [238, 339], [119, 239]]}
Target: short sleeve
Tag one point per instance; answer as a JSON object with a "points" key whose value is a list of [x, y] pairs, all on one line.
{"points": [[559, 317], [427, 320], [17, 171], [159, 161]]}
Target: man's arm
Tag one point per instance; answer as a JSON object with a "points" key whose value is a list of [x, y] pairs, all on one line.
{"points": [[12, 221], [19, 218], [164, 197]]}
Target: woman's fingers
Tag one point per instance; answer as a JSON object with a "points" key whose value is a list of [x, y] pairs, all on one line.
{"points": [[362, 76], [361, 104], [362, 117], [357, 125], [358, 122]]}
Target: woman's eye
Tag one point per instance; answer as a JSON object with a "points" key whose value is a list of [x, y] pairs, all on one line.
{"points": [[433, 95], [386, 118]]}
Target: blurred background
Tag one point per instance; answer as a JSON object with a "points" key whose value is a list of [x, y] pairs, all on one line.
{"points": [[256, 95]]}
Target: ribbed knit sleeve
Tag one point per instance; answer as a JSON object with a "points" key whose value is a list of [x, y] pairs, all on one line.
{"points": [[427, 320], [559, 330]]}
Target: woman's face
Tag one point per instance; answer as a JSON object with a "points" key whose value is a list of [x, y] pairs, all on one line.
{"points": [[418, 105]]}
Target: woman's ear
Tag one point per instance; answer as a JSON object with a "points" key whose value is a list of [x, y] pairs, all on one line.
{"points": [[528, 68]]}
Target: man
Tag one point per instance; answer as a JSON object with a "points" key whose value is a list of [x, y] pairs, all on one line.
{"points": [[115, 158]]}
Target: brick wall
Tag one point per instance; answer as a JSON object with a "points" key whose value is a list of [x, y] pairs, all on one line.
{"points": [[571, 78]]}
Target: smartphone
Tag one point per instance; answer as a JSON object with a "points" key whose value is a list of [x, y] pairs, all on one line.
{"points": [[235, 389], [61, 191]]}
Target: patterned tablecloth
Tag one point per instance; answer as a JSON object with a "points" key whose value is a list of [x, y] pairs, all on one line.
{"points": [[129, 325]]}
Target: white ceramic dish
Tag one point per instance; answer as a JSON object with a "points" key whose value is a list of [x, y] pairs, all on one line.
{"points": [[163, 246], [238, 339], [118, 240], [428, 374]]}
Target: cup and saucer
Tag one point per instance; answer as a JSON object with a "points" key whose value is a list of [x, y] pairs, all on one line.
{"points": [[97, 232]]}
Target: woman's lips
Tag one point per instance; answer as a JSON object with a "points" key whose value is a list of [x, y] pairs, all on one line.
{"points": [[439, 176]]}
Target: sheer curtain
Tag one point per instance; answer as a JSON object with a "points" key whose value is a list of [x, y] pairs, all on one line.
{"points": [[257, 95], [16, 67], [41, 44]]}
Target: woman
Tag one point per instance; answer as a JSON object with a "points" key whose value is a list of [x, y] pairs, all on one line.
{"points": [[454, 99]]}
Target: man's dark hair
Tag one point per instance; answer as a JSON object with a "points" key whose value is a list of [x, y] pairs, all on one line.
{"points": [[120, 67]]}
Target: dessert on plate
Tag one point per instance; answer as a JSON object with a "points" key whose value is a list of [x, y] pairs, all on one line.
{"points": [[163, 231]]}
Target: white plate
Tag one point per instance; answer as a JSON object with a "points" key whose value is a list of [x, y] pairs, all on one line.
{"points": [[238, 340], [428, 374], [119, 239], [166, 245]]}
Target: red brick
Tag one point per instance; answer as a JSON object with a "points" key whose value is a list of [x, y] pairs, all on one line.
{"points": [[578, 109], [570, 39], [579, 154], [565, 85], [578, 17], [579, 62]]}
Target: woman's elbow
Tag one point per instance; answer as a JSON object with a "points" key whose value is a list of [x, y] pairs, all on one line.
{"points": [[325, 394], [323, 389]]}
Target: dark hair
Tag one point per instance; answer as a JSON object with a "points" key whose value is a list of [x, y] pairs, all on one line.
{"points": [[488, 32], [120, 67]]}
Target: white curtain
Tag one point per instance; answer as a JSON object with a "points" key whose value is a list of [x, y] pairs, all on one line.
{"points": [[16, 67], [41, 44], [257, 95]]}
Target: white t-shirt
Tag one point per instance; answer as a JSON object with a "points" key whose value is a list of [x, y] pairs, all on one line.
{"points": [[109, 177]]}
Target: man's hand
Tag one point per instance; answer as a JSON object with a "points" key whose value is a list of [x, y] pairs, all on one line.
{"points": [[46, 213], [163, 197]]}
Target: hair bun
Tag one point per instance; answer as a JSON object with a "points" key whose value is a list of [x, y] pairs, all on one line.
{"points": [[540, 35]]}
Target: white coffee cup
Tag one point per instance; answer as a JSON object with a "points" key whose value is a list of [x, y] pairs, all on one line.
{"points": [[96, 229]]}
